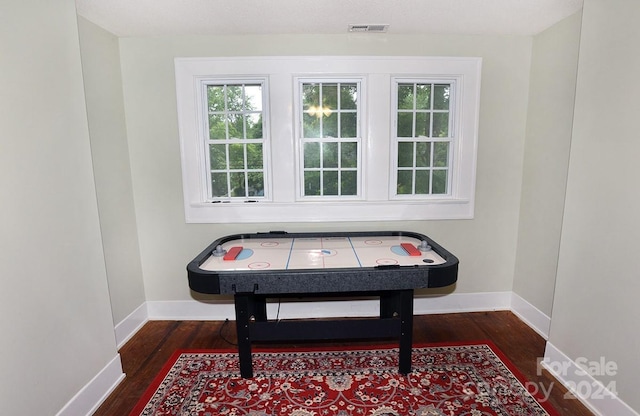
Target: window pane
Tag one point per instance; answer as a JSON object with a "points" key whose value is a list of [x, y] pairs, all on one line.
{"points": [[254, 156], [348, 97], [349, 155], [330, 125], [441, 125], [218, 156], [441, 97], [439, 182], [441, 154], [348, 125], [312, 183], [423, 121], [405, 154], [256, 183], [405, 96], [310, 126], [234, 98], [330, 182], [422, 182], [237, 184], [405, 178], [423, 154], [405, 124], [236, 126], [254, 126], [423, 97], [349, 182], [312, 155], [330, 156], [236, 156], [310, 96], [215, 98], [330, 96], [253, 97], [219, 185], [217, 127]]}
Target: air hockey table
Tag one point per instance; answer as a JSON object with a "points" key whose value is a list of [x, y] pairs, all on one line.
{"points": [[385, 264]]}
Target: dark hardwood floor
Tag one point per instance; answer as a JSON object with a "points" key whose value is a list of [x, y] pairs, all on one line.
{"points": [[145, 354]]}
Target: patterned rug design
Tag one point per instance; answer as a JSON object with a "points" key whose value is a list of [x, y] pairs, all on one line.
{"points": [[474, 380]]}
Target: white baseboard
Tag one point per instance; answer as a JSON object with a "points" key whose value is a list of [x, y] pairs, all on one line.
{"points": [[91, 396], [190, 310], [300, 309], [461, 302], [532, 316], [128, 327], [597, 397]]}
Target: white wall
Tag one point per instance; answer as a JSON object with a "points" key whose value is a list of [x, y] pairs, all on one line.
{"points": [[546, 159], [55, 318], [110, 154], [167, 243], [596, 311]]}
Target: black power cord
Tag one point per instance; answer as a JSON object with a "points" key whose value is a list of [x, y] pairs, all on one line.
{"points": [[221, 334], [226, 322]]}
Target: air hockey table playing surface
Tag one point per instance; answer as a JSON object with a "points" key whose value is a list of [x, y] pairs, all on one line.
{"points": [[320, 252], [280, 263]]}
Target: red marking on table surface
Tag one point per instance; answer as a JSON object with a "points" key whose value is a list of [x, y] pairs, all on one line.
{"points": [[411, 249], [232, 253]]}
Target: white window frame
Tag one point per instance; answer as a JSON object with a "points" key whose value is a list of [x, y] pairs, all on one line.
{"points": [[299, 140], [284, 204], [452, 139], [203, 118]]}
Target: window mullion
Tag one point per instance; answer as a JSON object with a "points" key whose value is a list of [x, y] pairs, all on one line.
{"points": [[245, 166], [229, 169], [321, 156], [432, 149], [431, 100]]}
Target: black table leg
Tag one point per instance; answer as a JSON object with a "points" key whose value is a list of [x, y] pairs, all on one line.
{"points": [[406, 331], [398, 304], [243, 304]]}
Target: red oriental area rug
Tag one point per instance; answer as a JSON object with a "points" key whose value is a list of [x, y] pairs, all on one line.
{"points": [[474, 380]]}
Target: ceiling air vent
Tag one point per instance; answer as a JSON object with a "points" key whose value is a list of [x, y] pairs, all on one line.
{"points": [[368, 28]]}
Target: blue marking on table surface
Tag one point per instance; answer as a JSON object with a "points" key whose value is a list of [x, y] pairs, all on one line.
{"points": [[290, 252], [355, 253], [245, 254], [399, 251]]}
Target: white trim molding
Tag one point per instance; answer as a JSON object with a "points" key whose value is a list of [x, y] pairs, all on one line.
{"points": [[532, 316], [128, 327], [423, 305], [283, 202], [96, 391]]}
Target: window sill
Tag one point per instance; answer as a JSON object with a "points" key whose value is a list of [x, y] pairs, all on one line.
{"points": [[272, 212]]}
